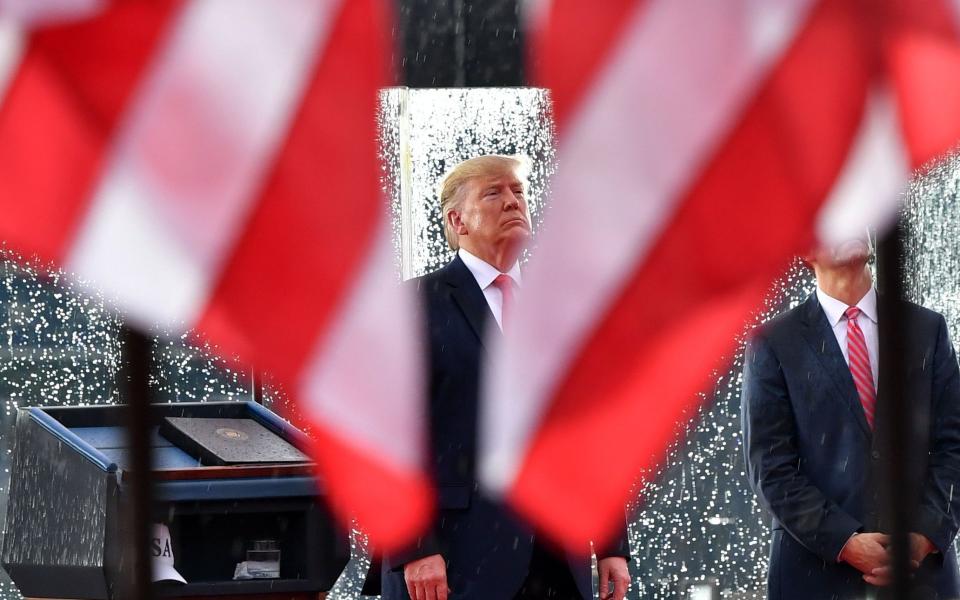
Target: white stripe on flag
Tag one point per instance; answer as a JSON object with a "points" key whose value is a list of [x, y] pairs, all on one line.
{"points": [[364, 381], [673, 88], [534, 13], [11, 52], [867, 191], [193, 150], [955, 6], [38, 13]]}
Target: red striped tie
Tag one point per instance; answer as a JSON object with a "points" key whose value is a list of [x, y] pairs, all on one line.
{"points": [[859, 361], [505, 283]]}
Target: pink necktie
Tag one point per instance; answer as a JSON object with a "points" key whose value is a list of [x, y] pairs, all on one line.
{"points": [[505, 284], [860, 364]]}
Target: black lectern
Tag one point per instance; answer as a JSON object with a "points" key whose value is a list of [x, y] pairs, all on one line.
{"points": [[65, 520]]}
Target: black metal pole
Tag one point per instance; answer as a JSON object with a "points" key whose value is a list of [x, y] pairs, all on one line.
{"points": [[257, 383], [134, 381], [894, 445]]}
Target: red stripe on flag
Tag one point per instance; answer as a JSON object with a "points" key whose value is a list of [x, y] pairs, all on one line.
{"points": [[312, 226], [750, 211], [60, 113], [356, 482], [923, 60], [578, 38]]}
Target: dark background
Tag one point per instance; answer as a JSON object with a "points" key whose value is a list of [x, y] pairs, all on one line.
{"points": [[460, 43]]}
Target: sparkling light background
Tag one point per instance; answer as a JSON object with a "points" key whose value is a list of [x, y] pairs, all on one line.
{"points": [[932, 226], [59, 346], [425, 132], [698, 518]]}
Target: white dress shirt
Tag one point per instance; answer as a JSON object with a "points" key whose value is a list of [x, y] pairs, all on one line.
{"points": [[485, 273], [867, 320]]}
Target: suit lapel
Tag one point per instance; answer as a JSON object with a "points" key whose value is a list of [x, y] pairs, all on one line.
{"points": [[819, 336], [468, 296]]}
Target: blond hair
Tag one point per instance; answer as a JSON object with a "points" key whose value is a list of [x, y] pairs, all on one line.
{"points": [[452, 183]]}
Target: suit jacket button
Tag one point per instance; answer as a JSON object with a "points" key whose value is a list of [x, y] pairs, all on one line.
{"points": [[875, 454]]}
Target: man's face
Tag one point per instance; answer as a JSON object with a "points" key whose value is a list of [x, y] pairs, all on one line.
{"points": [[850, 253], [493, 212]]}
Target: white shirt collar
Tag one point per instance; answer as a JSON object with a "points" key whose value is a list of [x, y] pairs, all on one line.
{"points": [[484, 272], [834, 308]]}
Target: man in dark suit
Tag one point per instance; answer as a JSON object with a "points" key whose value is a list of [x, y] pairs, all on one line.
{"points": [[809, 413], [476, 549]]}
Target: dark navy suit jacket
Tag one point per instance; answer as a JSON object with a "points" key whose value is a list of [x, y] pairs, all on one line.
{"points": [[813, 460], [487, 549]]}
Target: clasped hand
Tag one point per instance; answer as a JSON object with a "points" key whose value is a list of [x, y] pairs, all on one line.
{"points": [[426, 578], [869, 553]]}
